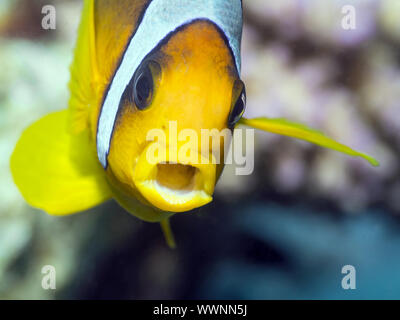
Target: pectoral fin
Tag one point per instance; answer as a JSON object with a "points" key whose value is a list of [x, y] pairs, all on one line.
{"points": [[299, 131], [56, 171]]}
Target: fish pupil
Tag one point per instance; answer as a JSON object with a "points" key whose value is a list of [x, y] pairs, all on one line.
{"points": [[143, 89]]}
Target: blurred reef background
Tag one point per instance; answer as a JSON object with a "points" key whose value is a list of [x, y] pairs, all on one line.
{"points": [[284, 232]]}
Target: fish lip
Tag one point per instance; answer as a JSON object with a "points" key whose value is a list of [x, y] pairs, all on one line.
{"points": [[197, 194]]}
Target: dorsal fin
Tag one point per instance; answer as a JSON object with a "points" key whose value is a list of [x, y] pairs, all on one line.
{"points": [[104, 32], [83, 70]]}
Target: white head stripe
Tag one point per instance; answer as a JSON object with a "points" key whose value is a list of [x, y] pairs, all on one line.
{"points": [[160, 19]]}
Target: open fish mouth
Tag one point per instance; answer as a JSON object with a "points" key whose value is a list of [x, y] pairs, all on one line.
{"points": [[175, 186]]}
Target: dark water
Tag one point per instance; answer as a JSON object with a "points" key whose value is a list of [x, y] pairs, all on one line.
{"points": [[246, 251]]}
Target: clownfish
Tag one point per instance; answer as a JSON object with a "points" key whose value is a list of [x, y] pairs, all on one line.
{"points": [[138, 65]]}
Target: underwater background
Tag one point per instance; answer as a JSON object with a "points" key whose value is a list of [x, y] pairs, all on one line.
{"points": [[286, 231]]}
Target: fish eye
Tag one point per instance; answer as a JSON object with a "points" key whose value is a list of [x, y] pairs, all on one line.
{"points": [[240, 104], [143, 87]]}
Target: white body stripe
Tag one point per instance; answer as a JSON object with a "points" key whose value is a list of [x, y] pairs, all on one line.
{"points": [[160, 19]]}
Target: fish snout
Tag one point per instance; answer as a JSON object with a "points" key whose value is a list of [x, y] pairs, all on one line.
{"points": [[173, 184]]}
